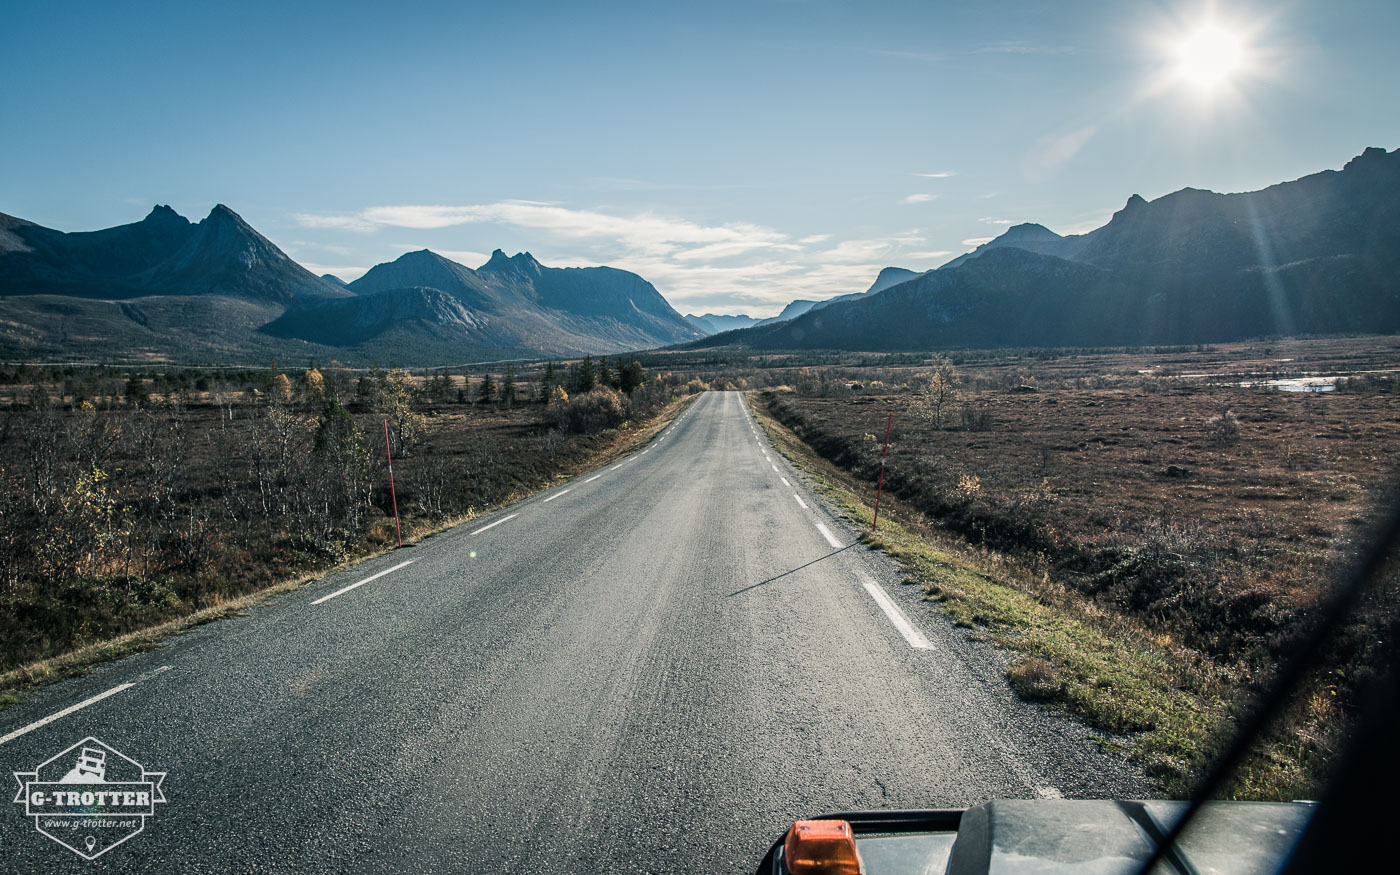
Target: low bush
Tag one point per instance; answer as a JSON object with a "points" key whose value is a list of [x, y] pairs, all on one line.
{"points": [[591, 412]]}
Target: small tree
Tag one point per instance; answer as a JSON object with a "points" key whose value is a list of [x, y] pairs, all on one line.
{"points": [[508, 386], [314, 385], [136, 390], [631, 376], [547, 383], [605, 374], [587, 376], [487, 390], [280, 390], [938, 394]]}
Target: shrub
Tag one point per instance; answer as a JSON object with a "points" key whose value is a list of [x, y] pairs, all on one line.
{"points": [[1223, 427], [1034, 678], [591, 411]]}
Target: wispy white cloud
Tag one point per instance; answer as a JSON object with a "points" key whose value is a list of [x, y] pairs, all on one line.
{"points": [[336, 223], [348, 273], [919, 198], [856, 251], [977, 241], [1018, 47], [463, 256], [991, 221], [943, 174], [695, 265], [928, 256], [913, 56]]}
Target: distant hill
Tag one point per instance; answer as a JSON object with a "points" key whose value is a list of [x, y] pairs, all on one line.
{"points": [[163, 254], [714, 323], [509, 302], [217, 290], [1318, 255]]}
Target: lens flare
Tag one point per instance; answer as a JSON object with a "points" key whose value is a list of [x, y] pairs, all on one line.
{"points": [[1209, 57]]}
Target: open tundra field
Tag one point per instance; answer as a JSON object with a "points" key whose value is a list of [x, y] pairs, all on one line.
{"points": [[170, 497], [1196, 501]]}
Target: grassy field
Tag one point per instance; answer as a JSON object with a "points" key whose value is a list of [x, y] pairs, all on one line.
{"points": [[1145, 543]]}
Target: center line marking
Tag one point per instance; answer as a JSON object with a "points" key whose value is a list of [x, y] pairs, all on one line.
{"points": [[774, 467], [830, 538], [594, 477], [799, 500], [615, 467], [784, 479], [901, 623], [647, 450], [547, 500], [326, 598], [496, 523], [59, 715]]}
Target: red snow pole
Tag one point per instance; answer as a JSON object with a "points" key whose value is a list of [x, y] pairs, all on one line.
{"points": [[392, 496], [880, 488]]}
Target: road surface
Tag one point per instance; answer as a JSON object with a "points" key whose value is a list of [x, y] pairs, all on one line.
{"points": [[653, 667]]}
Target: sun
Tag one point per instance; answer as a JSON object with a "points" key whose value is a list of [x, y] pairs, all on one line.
{"points": [[1210, 57]]}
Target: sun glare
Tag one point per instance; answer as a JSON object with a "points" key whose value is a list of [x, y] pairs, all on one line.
{"points": [[1210, 57]]}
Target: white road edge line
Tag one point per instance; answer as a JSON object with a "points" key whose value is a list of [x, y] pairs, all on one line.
{"points": [[615, 467], [594, 477], [799, 500], [784, 479], [547, 500], [496, 523], [647, 450], [830, 538], [901, 623], [59, 715], [326, 598]]}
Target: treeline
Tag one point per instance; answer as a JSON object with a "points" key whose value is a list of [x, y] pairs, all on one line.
{"points": [[127, 499]]}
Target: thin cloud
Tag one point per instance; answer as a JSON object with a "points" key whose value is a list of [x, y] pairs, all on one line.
{"points": [[702, 267], [977, 241], [1017, 47], [856, 251], [913, 56], [944, 174], [345, 272], [990, 221], [463, 256], [937, 253], [920, 198]]}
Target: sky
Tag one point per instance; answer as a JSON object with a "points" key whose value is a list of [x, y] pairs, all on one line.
{"points": [[737, 155]]}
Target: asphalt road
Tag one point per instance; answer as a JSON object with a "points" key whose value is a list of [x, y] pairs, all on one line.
{"points": [[651, 668]]}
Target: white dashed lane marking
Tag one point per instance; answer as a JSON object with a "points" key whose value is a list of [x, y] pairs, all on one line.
{"points": [[59, 715], [343, 591], [496, 523], [901, 623]]}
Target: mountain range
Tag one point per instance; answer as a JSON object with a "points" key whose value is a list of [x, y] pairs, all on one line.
{"points": [[1318, 255], [168, 289], [711, 323]]}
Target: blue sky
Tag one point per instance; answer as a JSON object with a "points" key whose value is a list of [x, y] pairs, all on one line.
{"points": [[738, 155]]}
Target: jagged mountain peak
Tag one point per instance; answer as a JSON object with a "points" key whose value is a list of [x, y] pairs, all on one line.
{"points": [[163, 214], [1030, 231], [520, 263]]}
